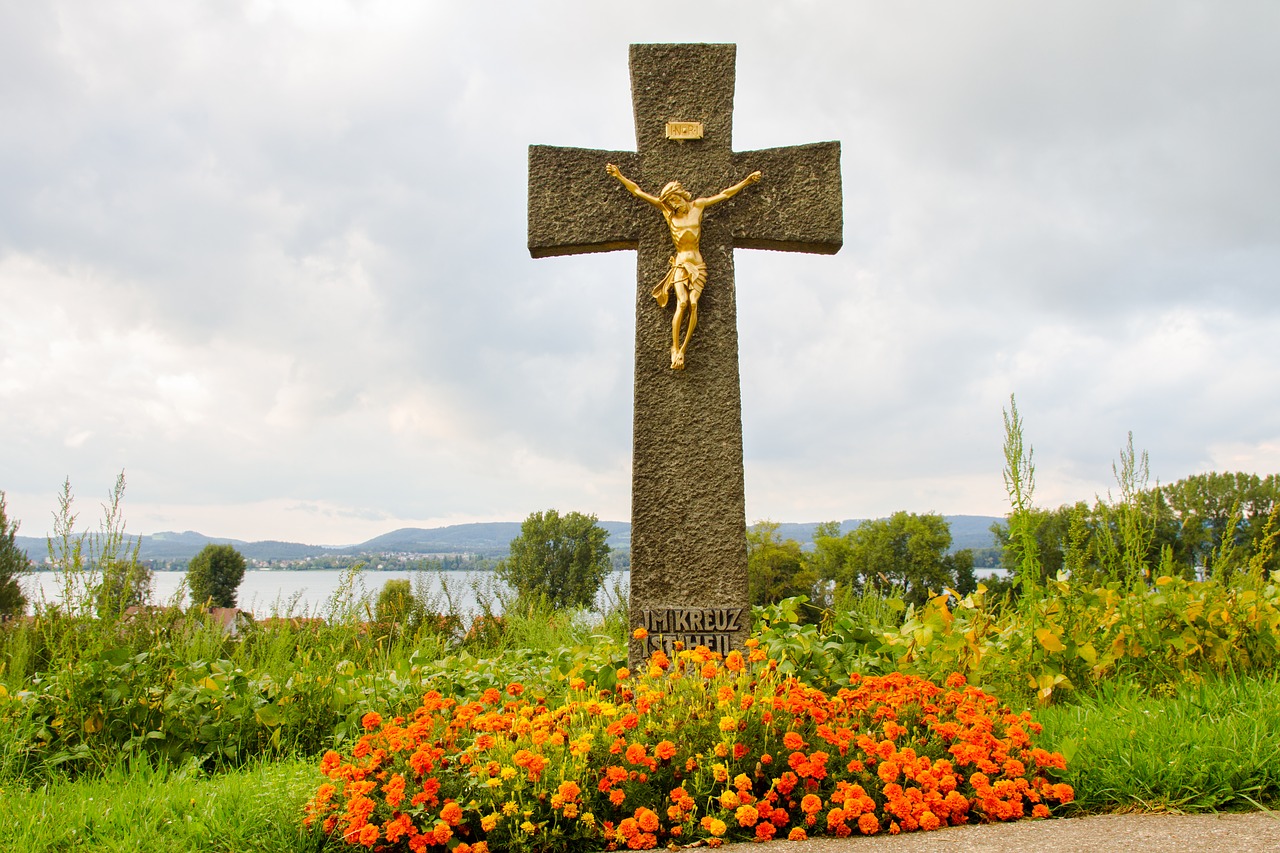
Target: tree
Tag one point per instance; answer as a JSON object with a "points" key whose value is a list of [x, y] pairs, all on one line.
{"points": [[397, 608], [13, 562], [564, 558], [904, 551], [776, 569], [214, 575]]}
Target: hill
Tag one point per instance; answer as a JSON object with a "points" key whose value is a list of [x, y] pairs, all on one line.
{"points": [[486, 539]]}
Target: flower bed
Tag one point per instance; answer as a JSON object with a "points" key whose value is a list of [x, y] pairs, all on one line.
{"points": [[697, 748]]}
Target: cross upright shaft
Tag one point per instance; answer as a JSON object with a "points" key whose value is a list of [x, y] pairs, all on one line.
{"points": [[688, 513]]}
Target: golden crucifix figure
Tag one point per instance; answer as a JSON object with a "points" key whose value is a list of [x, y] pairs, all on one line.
{"points": [[688, 273]]}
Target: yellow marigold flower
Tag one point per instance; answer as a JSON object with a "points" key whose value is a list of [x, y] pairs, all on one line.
{"points": [[529, 826], [509, 808], [717, 827], [489, 821], [720, 772], [508, 773], [722, 750], [588, 818], [728, 724], [729, 800]]}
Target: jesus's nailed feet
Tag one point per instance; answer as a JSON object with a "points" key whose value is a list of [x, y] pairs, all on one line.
{"points": [[677, 359]]}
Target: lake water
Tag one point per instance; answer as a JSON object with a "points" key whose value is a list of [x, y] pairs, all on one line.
{"points": [[312, 592]]}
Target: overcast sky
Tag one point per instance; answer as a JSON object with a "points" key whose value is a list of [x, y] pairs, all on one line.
{"points": [[269, 258]]}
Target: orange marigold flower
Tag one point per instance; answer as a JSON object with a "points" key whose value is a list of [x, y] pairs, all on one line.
{"points": [[811, 804], [330, 762], [928, 821], [451, 813], [868, 824], [515, 689], [442, 833], [664, 751], [569, 790], [623, 674], [765, 831], [740, 751], [733, 661], [371, 721], [955, 679], [636, 753], [1040, 810], [797, 833], [647, 819], [616, 796], [793, 741], [368, 835], [746, 815], [640, 633]]}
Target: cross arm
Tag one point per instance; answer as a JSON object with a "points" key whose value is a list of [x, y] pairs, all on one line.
{"points": [[575, 207], [798, 206]]}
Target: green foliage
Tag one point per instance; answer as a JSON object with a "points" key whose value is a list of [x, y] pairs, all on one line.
{"points": [[396, 604], [1020, 482], [563, 558], [906, 552], [13, 563], [776, 569], [214, 575], [123, 581]]}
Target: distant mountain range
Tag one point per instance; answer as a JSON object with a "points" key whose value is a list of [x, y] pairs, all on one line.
{"points": [[487, 539]]}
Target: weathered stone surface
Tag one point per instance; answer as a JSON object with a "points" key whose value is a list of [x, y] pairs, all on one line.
{"points": [[688, 511]]}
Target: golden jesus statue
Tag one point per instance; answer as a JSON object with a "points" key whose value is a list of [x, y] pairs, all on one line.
{"points": [[688, 273]]}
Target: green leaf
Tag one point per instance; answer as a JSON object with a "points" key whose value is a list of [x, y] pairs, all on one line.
{"points": [[268, 715]]}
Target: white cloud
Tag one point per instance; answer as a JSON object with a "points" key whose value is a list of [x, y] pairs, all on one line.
{"points": [[269, 258]]}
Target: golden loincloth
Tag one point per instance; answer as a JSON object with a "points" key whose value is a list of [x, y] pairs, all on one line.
{"points": [[693, 274]]}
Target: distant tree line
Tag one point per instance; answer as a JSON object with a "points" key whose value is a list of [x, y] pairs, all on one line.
{"points": [[1205, 525]]}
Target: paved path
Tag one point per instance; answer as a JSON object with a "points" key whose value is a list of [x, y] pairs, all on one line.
{"points": [[1256, 832]]}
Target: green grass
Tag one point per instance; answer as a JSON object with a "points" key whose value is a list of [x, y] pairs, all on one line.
{"points": [[137, 807], [1209, 746]]}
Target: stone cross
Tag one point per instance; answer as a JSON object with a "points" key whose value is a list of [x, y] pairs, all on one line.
{"points": [[688, 512]]}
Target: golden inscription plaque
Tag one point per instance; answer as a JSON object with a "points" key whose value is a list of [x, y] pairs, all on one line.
{"points": [[684, 130]]}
